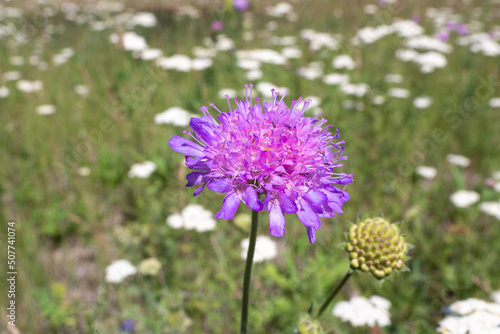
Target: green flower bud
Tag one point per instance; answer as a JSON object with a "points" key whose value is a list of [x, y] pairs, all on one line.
{"points": [[376, 246], [308, 325]]}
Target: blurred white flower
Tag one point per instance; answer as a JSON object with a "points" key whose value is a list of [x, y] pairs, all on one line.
{"points": [[348, 104], [262, 55], [464, 198], [393, 78], [310, 73], [400, 93], [422, 102], [407, 28], [201, 52], [130, 41], [471, 316], [175, 116], [253, 75], [369, 35], [360, 311], [265, 249], [150, 54], [406, 54], [428, 43], [370, 9], [29, 86], [336, 79], [378, 100], [279, 10], [231, 93], [320, 40], [117, 271], [495, 102], [426, 172], [429, 61], [142, 170], [224, 43], [343, 61], [355, 89], [491, 208], [495, 296], [144, 19], [458, 160], [199, 64], [149, 267], [193, 217], [83, 171], [82, 90], [45, 109], [248, 64], [176, 62], [4, 92], [11, 76], [16, 60], [291, 52]]}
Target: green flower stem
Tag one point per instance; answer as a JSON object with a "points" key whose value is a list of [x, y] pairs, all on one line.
{"points": [[248, 272], [334, 293]]}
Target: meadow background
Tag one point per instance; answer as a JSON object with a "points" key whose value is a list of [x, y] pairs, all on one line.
{"points": [[71, 224]]}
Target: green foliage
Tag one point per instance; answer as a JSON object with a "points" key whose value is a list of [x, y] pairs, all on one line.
{"points": [[198, 290]]}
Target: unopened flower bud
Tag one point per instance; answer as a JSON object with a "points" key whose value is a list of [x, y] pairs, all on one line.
{"points": [[376, 246]]}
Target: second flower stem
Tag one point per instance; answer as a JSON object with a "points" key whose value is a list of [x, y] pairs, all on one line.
{"points": [[248, 272], [334, 293]]}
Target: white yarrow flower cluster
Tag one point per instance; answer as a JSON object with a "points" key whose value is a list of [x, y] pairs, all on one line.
{"points": [[360, 311], [265, 249], [45, 109], [458, 160], [193, 217], [117, 271], [426, 172], [464, 198], [175, 116], [142, 170], [471, 316]]}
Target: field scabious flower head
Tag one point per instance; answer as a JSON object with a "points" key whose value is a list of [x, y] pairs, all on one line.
{"points": [[376, 246], [267, 149]]}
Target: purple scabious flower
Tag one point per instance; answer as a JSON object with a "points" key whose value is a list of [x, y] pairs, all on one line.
{"points": [[127, 326], [267, 149], [241, 5], [216, 26]]}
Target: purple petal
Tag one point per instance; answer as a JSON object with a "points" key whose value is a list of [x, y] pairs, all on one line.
{"points": [[251, 199], [276, 221], [203, 128], [185, 146], [307, 216], [316, 197], [220, 186], [287, 205], [229, 206], [194, 178], [311, 233]]}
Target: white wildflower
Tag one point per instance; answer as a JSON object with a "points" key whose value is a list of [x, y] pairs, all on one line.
{"points": [[426, 172], [265, 249], [117, 271], [360, 311], [175, 116], [142, 170], [464, 198], [458, 160]]}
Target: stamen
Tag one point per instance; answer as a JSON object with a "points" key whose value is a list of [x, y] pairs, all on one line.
{"points": [[213, 106]]}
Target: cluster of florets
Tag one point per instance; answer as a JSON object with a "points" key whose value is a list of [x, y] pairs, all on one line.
{"points": [[271, 157], [376, 246]]}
